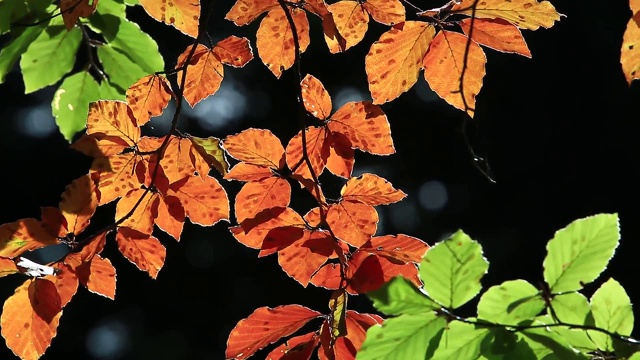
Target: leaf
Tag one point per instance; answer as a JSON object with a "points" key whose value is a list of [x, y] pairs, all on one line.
{"points": [[14, 49], [385, 12], [122, 70], [354, 223], [176, 162], [351, 21], [23, 235], [611, 309], [370, 189], [265, 326], [72, 10], [510, 303], [525, 14], [205, 202], [407, 337], [452, 269], [317, 152], [546, 343], [145, 252], [460, 341], [578, 253], [233, 51], [315, 97], [365, 125], [99, 276], [171, 216], [184, 15], [244, 12], [212, 152], [148, 97], [270, 221], [257, 147], [274, 39], [630, 51], [444, 66], [65, 281], [70, 103], [79, 202], [341, 155], [395, 60], [30, 318], [338, 307], [204, 74], [296, 348], [400, 248], [117, 176], [399, 296], [357, 324], [305, 256], [7, 267], [93, 247], [256, 196], [248, 172], [574, 308], [368, 272], [113, 119], [49, 57], [497, 34]]}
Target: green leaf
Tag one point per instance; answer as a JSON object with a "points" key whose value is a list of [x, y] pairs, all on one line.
{"points": [[406, 337], [510, 303], [452, 269], [635, 356], [498, 343], [578, 253], [573, 308], [400, 296], [114, 7], [49, 57], [122, 71], [210, 149], [611, 309], [548, 344], [10, 53], [460, 341], [26, 11], [109, 91], [70, 104]]}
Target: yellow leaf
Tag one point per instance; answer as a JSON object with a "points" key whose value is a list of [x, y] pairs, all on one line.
{"points": [[630, 53], [525, 14]]}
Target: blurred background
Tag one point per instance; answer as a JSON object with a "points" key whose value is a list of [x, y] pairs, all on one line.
{"points": [[559, 132]]}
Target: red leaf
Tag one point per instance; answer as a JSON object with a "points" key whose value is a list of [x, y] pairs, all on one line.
{"points": [[354, 223], [261, 231], [233, 51], [205, 202], [297, 348], [400, 248], [304, 257], [257, 196], [372, 190]]}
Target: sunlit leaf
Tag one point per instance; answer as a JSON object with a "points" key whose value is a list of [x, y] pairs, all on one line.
{"points": [[184, 15], [145, 252], [70, 103], [245, 11], [211, 151], [148, 97], [315, 97], [460, 341], [23, 235], [354, 223], [256, 196], [365, 125], [72, 10], [205, 202], [372, 190], [525, 14], [400, 296], [612, 311], [510, 303], [304, 257], [99, 276], [497, 34], [257, 147]]}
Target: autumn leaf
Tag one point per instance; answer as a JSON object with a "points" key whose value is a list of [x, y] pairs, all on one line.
{"points": [[341, 155], [79, 202], [353, 222], [210, 149], [65, 281], [233, 51], [113, 121], [7, 267], [117, 175], [184, 15], [365, 125], [296, 348], [72, 10], [444, 66], [257, 147], [317, 152], [400, 248], [244, 12], [248, 172], [98, 276], [525, 14], [170, 215], [395, 60], [177, 160], [315, 97], [135, 210], [148, 97], [387, 12], [337, 320], [630, 52], [93, 247], [304, 257], [269, 222], [497, 34], [372, 190], [265, 326], [204, 74], [23, 235], [205, 202], [356, 326], [144, 251], [30, 318], [351, 21], [257, 196]]}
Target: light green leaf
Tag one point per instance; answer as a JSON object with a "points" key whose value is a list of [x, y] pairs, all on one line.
{"points": [[400, 296], [578, 253], [132, 2], [635, 356], [109, 91], [548, 344], [510, 303], [452, 269], [612, 311], [122, 71], [573, 308], [460, 341], [22, 11], [11, 53], [498, 343], [114, 7], [49, 57], [406, 337], [70, 104]]}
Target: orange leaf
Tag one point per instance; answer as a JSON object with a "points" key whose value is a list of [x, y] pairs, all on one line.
{"points": [[328, 276], [395, 60], [30, 318], [23, 235], [297, 348], [184, 15], [90, 146], [248, 172], [497, 34], [400, 248], [7, 267], [141, 219], [351, 21], [92, 248], [72, 10], [145, 252], [388, 12], [53, 220], [265, 326], [176, 161], [148, 97], [525, 14], [117, 176], [205, 202], [356, 324], [171, 216], [274, 39], [317, 151], [245, 11], [315, 97], [304, 257], [110, 119], [444, 65], [99, 276], [254, 232], [365, 125], [630, 52], [257, 147], [352, 222], [66, 282], [341, 155], [256, 196], [204, 74], [372, 190], [79, 203], [233, 51]]}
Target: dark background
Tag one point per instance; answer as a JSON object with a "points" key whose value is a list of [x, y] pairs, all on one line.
{"points": [[559, 132]]}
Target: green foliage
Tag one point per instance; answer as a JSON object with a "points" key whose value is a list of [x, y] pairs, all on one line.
{"points": [[515, 320]]}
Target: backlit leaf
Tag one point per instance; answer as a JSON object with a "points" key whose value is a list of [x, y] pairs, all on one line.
{"points": [[274, 39], [123, 71], [99, 276], [15, 48], [372, 190], [93, 247], [525, 14], [79, 202], [510, 303], [257, 147], [70, 103], [296, 348], [253, 235], [630, 52], [497, 34], [400, 296], [248, 172], [66, 283], [255, 196], [204, 74], [354, 223], [338, 307], [117, 176], [145, 252], [148, 97], [265, 326], [108, 118], [245, 11], [205, 202], [184, 15], [23, 235], [351, 21], [233, 51], [72, 10], [387, 12], [395, 60], [444, 65], [317, 152], [211, 151], [356, 324], [304, 257], [341, 155], [612, 311], [315, 97], [399, 247], [7, 267], [460, 341], [171, 216], [365, 125], [137, 207]]}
